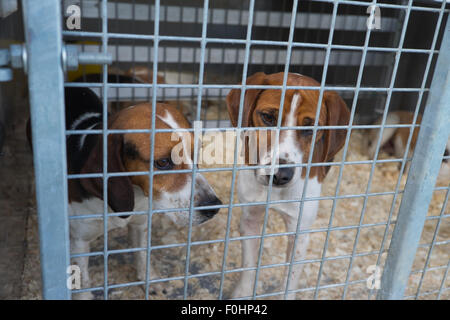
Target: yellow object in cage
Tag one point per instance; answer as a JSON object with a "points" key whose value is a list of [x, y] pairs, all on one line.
{"points": [[84, 69]]}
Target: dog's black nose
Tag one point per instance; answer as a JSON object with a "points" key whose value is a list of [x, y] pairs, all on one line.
{"points": [[446, 154], [283, 176], [209, 213]]}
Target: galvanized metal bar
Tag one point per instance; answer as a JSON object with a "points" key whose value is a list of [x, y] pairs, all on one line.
{"points": [[44, 44], [248, 43], [433, 243], [411, 131], [422, 177], [419, 101]]}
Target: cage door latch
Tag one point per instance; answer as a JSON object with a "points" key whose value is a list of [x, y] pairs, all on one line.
{"points": [[71, 57], [16, 57]]}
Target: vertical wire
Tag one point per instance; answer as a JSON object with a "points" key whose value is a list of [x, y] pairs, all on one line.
{"points": [[205, 109], [403, 163], [179, 67], [116, 23], [222, 67], [316, 122], [433, 242], [152, 140], [333, 209], [349, 270], [133, 51], [191, 110], [355, 102], [104, 13], [237, 140], [277, 133], [383, 123], [164, 55], [194, 166], [444, 279], [301, 53], [149, 53]]}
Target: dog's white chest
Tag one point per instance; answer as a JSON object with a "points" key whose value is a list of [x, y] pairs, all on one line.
{"points": [[249, 190], [91, 228]]}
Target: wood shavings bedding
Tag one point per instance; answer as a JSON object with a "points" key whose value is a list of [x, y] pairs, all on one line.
{"points": [[208, 258]]}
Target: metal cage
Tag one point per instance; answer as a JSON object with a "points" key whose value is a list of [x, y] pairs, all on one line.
{"points": [[202, 50]]}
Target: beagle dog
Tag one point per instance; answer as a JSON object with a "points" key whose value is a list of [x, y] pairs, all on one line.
{"points": [[394, 140], [127, 152], [261, 109]]}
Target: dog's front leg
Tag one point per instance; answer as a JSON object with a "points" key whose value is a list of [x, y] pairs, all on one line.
{"points": [[301, 246], [82, 246], [137, 238], [300, 252], [250, 225]]}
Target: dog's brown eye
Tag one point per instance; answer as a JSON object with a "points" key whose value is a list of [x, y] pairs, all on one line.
{"points": [[307, 122], [164, 164], [268, 119]]}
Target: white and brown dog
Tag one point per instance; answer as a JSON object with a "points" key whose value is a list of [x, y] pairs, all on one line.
{"points": [[394, 140], [127, 152], [261, 109]]}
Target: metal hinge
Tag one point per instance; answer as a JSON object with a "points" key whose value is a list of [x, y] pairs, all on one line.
{"points": [[16, 57]]}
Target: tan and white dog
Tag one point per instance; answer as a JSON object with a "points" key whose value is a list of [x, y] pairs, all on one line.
{"points": [[394, 140], [261, 109], [127, 152]]}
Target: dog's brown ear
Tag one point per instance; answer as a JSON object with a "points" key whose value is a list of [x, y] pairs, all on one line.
{"points": [[334, 139], [251, 96], [120, 189], [337, 115], [144, 74]]}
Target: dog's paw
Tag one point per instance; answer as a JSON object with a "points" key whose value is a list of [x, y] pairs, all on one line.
{"points": [[155, 289], [158, 290]]}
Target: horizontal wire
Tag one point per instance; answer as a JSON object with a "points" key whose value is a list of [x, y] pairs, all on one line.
{"points": [[115, 85], [235, 129], [271, 202]]}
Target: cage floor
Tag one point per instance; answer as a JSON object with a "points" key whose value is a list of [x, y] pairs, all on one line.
{"points": [[208, 258]]}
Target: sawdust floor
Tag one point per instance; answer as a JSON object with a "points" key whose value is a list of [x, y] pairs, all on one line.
{"points": [[208, 258]]}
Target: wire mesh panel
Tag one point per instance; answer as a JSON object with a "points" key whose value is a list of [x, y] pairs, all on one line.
{"points": [[192, 59]]}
